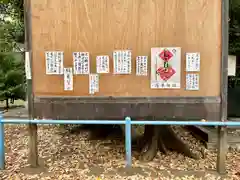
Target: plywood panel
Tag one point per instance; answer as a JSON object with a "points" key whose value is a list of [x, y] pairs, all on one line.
{"points": [[101, 26]]}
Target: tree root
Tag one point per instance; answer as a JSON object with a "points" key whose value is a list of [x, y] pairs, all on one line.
{"points": [[163, 138], [150, 149], [173, 142], [161, 146]]}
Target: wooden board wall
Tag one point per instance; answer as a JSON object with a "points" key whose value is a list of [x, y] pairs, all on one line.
{"points": [[101, 26]]}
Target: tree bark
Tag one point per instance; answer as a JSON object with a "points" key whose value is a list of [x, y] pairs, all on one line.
{"points": [[174, 143], [162, 147], [150, 148], [7, 103], [134, 134], [12, 100], [162, 138]]}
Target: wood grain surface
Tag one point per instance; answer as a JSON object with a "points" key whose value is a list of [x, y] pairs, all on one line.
{"points": [[102, 26]]}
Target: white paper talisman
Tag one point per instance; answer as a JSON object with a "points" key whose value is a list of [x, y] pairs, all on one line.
{"points": [[192, 82], [68, 79], [54, 62], [102, 64], [122, 62], [93, 83], [192, 62], [141, 65], [81, 63], [27, 66]]}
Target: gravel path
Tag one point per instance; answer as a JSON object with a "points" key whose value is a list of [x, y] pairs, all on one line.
{"points": [[68, 156]]}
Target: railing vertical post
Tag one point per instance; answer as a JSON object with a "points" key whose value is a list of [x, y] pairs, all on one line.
{"points": [[128, 142], [2, 150]]}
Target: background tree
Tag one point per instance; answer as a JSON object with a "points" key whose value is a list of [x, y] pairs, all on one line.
{"points": [[12, 84], [12, 80], [12, 12]]}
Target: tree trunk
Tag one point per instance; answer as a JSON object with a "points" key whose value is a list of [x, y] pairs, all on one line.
{"points": [[150, 148], [7, 103], [12, 100], [134, 134]]}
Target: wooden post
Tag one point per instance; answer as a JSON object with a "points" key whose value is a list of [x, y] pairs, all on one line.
{"points": [[222, 131], [33, 150], [222, 150]]}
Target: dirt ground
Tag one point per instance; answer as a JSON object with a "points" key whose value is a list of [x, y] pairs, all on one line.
{"points": [[72, 156]]}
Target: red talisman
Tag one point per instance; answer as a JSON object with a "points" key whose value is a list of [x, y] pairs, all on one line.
{"points": [[166, 72]]}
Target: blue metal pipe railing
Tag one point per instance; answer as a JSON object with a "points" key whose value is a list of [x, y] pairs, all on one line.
{"points": [[108, 122], [127, 123], [27, 121]]}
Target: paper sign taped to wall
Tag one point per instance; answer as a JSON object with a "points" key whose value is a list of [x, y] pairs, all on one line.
{"points": [[192, 82], [192, 62], [141, 65], [27, 66], [232, 65], [81, 63], [122, 62], [68, 79], [54, 62], [93, 83], [102, 64], [166, 68]]}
